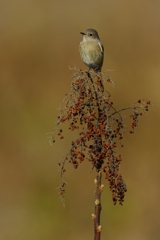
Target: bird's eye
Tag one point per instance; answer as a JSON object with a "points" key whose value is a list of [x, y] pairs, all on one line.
{"points": [[90, 34]]}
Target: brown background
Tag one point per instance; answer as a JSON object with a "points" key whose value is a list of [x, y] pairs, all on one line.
{"points": [[38, 41]]}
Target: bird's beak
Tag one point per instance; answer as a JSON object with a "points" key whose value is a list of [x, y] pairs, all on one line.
{"points": [[82, 33]]}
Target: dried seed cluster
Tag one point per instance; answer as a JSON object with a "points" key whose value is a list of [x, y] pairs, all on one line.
{"points": [[90, 109]]}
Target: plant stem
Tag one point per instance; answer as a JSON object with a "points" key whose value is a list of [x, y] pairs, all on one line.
{"points": [[98, 207]]}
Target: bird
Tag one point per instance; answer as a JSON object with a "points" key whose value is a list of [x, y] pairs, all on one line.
{"points": [[91, 49]]}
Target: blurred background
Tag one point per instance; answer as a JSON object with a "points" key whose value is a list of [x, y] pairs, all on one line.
{"points": [[39, 42]]}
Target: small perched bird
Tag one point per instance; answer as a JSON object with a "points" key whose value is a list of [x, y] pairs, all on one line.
{"points": [[91, 49]]}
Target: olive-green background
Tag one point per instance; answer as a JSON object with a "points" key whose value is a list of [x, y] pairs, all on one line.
{"points": [[38, 41]]}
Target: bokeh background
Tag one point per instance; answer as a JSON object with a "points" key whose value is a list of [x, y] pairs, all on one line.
{"points": [[39, 40]]}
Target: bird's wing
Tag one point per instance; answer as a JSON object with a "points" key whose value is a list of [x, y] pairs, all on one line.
{"points": [[101, 47]]}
